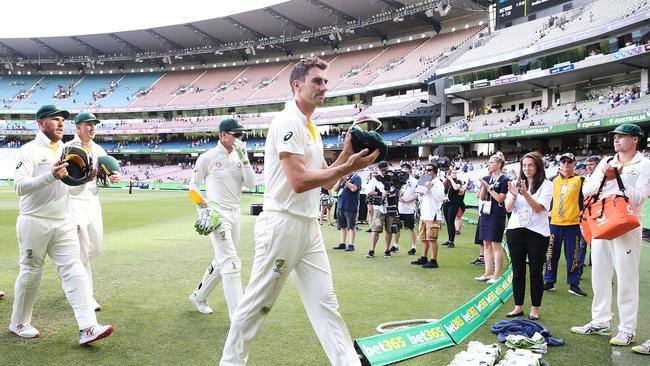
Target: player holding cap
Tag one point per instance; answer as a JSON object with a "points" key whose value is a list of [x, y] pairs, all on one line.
{"points": [[45, 227], [84, 199], [223, 169], [288, 239]]}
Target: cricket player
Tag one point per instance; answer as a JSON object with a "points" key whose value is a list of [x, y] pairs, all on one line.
{"points": [[620, 255], [45, 227], [288, 239], [84, 199], [223, 169]]}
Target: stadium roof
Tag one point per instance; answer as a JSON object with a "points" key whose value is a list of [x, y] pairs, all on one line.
{"points": [[279, 26]]}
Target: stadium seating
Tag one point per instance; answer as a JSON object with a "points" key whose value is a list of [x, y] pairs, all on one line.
{"points": [[12, 85], [127, 87], [208, 85], [44, 91], [424, 56], [162, 91], [540, 31], [82, 96]]}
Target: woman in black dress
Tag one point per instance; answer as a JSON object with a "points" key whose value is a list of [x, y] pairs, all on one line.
{"points": [[494, 188], [454, 193]]}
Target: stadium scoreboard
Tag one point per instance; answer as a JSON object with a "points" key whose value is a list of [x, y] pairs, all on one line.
{"points": [[508, 10]]}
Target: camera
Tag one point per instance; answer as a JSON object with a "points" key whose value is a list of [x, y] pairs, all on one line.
{"points": [[393, 182]]}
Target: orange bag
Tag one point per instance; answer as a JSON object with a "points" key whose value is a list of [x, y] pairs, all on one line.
{"points": [[610, 217], [584, 224]]}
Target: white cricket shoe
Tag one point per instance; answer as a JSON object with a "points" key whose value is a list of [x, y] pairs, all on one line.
{"points": [[24, 330], [201, 306], [94, 333]]}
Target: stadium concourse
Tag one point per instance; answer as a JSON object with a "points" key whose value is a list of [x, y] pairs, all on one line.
{"points": [[452, 81]]}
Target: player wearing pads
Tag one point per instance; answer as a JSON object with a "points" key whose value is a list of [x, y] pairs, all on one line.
{"points": [[223, 169], [84, 199], [288, 239], [45, 227]]}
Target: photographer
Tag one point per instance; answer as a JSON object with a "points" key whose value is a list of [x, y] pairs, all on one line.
{"points": [[406, 207], [383, 196], [452, 202], [431, 202], [347, 207]]}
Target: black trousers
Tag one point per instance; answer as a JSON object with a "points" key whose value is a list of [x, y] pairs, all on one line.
{"points": [[450, 210], [521, 243]]}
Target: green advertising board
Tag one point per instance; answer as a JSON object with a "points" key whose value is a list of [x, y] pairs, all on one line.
{"points": [[535, 131], [387, 348]]}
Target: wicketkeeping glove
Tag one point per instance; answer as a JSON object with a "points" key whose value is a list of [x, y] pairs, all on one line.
{"points": [[208, 219], [240, 148]]}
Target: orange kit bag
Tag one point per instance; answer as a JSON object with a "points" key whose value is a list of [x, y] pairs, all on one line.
{"points": [[612, 216]]}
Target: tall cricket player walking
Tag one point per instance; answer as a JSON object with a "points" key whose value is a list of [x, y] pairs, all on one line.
{"points": [[84, 199], [288, 239], [45, 227], [223, 169]]}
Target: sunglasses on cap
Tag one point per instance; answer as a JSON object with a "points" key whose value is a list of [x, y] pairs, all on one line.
{"points": [[237, 135]]}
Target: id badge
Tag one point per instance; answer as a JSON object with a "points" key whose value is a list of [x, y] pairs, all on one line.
{"points": [[524, 218], [486, 207]]}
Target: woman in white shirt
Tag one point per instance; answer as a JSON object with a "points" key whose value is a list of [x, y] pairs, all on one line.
{"points": [[528, 199]]}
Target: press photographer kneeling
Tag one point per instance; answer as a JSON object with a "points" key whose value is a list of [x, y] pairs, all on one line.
{"points": [[383, 194]]}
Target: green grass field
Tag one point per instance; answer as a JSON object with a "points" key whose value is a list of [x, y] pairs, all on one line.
{"points": [[152, 259]]}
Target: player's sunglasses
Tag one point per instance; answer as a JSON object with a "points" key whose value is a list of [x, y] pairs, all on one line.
{"points": [[236, 135]]}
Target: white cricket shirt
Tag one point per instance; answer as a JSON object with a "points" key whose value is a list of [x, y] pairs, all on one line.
{"points": [[288, 132], [41, 195], [223, 174]]}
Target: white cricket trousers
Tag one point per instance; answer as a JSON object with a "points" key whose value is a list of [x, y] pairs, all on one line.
{"points": [[288, 244], [621, 255], [87, 215], [226, 265], [58, 239]]}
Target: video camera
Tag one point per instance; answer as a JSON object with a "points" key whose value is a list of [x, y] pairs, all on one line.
{"points": [[393, 182]]}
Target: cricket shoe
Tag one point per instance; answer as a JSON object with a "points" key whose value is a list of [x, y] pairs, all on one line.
{"points": [[94, 333], [201, 306], [592, 328], [643, 349], [24, 330], [623, 338]]}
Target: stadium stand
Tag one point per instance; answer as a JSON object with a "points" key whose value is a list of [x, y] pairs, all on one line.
{"points": [[162, 91], [88, 90], [45, 90], [14, 88], [547, 29], [208, 85], [424, 56], [126, 90]]}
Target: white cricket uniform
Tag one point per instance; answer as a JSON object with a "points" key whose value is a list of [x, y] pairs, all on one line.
{"points": [[87, 212], [44, 226], [288, 241], [223, 174], [621, 254]]}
